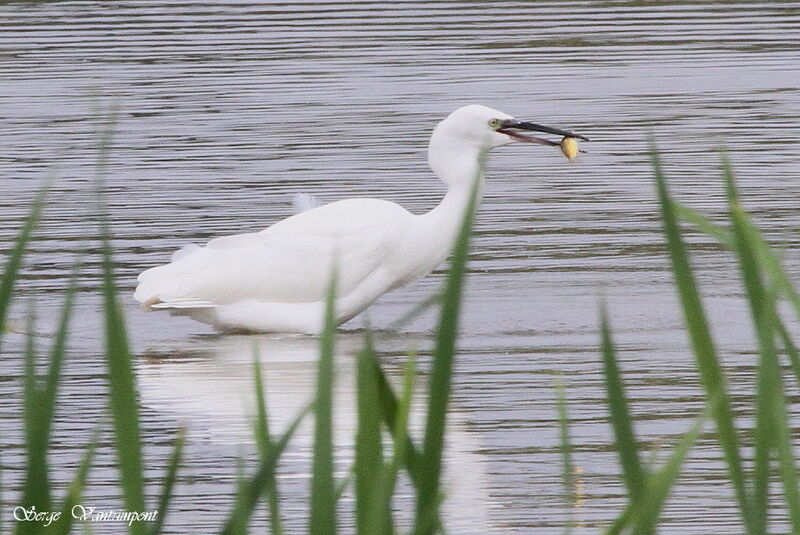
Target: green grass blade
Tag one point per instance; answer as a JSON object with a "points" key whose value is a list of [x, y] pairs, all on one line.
{"points": [[169, 483], [404, 409], [389, 411], [14, 262], [400, 432], [565, 446], [395, 414], [415, 312], [768, 260], [122, 383], [259, 483], [778, 420], [75, 489], [760, 249], [428, 491], [122, 394], [264, 443], [705, 353], [323, 493], [40, 410], [786, 458], [755, 292], [369, 447], [660, 483], [772, 265], [790, 348], [383, 523], [714, 230], [342, 486], [29, 380], [36, 488], [241, 526], [57, 355], [621, 522], [762, 444], [261, 422], [621, 420], [771, 417]]}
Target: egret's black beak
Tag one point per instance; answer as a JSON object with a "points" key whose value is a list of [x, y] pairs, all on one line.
{"points": [[510, 127]]}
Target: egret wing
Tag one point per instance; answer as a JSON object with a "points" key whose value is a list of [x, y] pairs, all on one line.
{"points": [[274, 269], [289, 262]]}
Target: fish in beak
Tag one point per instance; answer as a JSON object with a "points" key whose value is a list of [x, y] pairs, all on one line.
{"points": [[512, 127]]}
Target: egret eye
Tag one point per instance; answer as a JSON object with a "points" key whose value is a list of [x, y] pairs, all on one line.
{"points": [[494, 123]]}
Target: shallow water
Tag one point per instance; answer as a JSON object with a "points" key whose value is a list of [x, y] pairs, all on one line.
{"points": [[228, 109]]}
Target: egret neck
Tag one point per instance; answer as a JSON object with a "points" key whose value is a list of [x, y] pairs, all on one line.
{"points": [[459, 163]]}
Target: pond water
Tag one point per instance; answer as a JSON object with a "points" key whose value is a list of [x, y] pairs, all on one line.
{"points": [[227, 109]]}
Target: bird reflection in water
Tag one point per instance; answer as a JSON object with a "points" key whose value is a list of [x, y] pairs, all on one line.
{"points": [[208, 383]]}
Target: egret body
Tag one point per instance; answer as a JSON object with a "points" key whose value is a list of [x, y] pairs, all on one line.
{"points": [[276, 280]]}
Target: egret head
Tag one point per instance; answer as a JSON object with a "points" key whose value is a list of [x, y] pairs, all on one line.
{"points": [[485, 128], [472, 130]]}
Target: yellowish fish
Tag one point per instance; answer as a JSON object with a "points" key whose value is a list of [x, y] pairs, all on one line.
{"points": [[569, 146]]}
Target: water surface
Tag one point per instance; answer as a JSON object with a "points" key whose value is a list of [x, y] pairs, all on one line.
{"points": [[228, 109]]}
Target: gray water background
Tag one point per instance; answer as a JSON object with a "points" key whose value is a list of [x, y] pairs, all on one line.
{"points": [[228, 109]]}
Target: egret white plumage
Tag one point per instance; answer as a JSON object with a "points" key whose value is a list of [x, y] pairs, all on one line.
{"points": [[276, 280]]}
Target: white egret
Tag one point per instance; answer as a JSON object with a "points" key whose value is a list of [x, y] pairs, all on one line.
{"points": [[276, 279]]}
